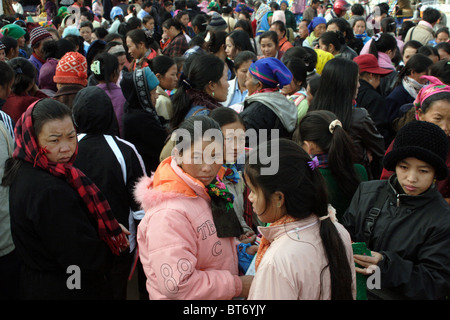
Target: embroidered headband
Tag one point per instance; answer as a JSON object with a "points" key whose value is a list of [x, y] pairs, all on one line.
{"points": [[435, 86]]}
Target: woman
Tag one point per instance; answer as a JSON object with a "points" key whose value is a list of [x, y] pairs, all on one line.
{"points": [[295, 91], [49, 243], [349, 44], [237, 41], [370, 75], [113, 165], [203, 85], [265, 107], [217, 46], [384, 47], [141, 124], [178, 44], [405, 221], [166, 71], [237, 91], [268, 43], [140, 48], [304, 253], [337, 92], [187, 237], [321, 135], [330, 41], [317, 26], [24, 89], [433, 105], [409, 84], [105, 69], [359, 29]]}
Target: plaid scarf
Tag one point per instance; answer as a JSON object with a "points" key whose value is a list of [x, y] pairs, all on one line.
{"points": [[322, 158], [28, 150]]}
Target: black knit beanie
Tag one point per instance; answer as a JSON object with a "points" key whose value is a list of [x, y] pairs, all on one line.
{"points": [[424, 141]]}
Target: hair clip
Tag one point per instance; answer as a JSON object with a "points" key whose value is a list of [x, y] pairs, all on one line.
{"points": [[334, 124], [376, 37], [18, 70], [95, 67], [314, 163]]}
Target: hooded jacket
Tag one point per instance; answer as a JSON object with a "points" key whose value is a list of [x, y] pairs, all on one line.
{"points": [[270, 110], [94, 116], [182, 256], [411, 232]]}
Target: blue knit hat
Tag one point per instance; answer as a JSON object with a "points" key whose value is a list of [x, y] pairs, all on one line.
{"points": [[271, 72], [315, 22]]}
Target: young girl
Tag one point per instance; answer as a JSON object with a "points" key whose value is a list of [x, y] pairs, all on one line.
{"points": [[166, 71], [295, 91], [2, 52], [187, 237], [105, 69], [322, 136], [141, 48], [304, 253], [404, 220], [233, 129]]}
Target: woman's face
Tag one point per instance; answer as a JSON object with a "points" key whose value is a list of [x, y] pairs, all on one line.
{"points": [[268, 48], [439, 114], [251, 83], [320, 29], [414, 176], [416, 76], [2, 55], [292, 87], [59, 138], [21, 41], [442, 37], [202, 164], [150, 24], [85, 33], [408, 53], [303, 29], [309, 95], [241, 74], [328, 48], [230, 49], [170, 33], [221, 87], [359, 27], [136, 51], [234, 141], [169, 80], [184, 19]]}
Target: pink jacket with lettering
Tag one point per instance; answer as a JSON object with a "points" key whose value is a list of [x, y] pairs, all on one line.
{"points": [[178, 245]]}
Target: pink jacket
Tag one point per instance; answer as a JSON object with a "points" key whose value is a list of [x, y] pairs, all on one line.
{"points": [[291, 268], [178, 245]]}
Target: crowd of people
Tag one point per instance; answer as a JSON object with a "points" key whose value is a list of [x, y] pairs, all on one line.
{"points": [[109, 170]]}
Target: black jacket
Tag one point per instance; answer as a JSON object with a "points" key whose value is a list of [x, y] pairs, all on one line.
{"points": [[52, 230], [413, 236], [369, 99]]}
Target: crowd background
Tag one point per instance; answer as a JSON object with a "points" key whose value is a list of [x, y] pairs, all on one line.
{"points": [[343, 81]]}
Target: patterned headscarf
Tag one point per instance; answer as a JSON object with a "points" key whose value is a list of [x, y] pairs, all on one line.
{"points": [[28, 149], [435, 86], [271, 72]]}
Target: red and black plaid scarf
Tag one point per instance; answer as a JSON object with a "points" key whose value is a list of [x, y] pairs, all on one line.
{"points": [[27, 149]]}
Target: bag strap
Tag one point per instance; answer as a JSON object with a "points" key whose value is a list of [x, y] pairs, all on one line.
{"points": [[372, 216]]}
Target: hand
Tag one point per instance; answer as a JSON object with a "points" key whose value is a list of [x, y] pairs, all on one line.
{"points": [[248, 237], [123, 239], [252, 250], [368, 262], [246, 283]]}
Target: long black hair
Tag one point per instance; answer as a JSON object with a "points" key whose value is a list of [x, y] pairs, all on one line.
{"points": [[418, 63], [305, 193], [337, 89], [199, 69], [314, 126], [382, 42]]}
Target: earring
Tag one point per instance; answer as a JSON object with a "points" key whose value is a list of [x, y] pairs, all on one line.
{"points": [[213, 93], [278, 204]]}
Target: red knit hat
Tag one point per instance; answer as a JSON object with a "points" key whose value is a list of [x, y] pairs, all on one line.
{"points": [[72, 68], [38, 34]]}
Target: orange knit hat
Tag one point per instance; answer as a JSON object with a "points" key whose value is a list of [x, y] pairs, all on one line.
{"points": [[72, 68]]}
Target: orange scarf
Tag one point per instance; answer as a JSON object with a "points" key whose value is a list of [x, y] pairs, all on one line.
{"points": [[265, 244]]}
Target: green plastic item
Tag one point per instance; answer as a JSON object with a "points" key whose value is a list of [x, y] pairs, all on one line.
{"points": [[361, 286]]}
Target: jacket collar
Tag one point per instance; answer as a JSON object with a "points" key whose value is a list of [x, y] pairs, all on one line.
{"points": [[403, 199], [271, 233]]}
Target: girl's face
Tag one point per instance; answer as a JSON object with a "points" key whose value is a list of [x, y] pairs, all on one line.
{"points": [[168, 81], [150, 24], [328, 48], [86, 33], [291, 88], [59, 138], [234, 141], [2, 55], [268, 48], [220, 89], [136, 51], [184, 19], [439, 114], [408, 53], [416, 76], [443, 54], [202, 164], [241, 74], [21, 41], [442, 37], [230, 49], [414, 176], [266, 212], [359, 27]]}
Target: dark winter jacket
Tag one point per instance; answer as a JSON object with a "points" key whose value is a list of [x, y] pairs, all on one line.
{"points": [[411, 232], [94, 116], [53, 231], [369, 99], [397, 98]]}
